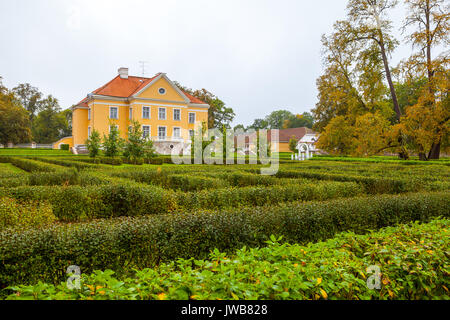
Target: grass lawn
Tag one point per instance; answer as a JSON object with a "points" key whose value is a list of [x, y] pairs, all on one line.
{"points": [[33, 152]]}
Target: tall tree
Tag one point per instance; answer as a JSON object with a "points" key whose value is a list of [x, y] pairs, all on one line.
{"points": [[30, 97], [259, 124], [369, 25], [49, 124], [276, 119], [299, 120], [14, 119], [218, 114], [431, 22]]}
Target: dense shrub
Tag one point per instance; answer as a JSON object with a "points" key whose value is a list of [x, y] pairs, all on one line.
{"points": [[64, 146], [14, 214], [127, 243], [74, 203], [412, 260], [31, 165], [60, 177], [260, 195]]}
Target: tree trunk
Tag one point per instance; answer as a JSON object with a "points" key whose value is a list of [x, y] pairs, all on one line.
{"points": [[389, 76], [422, 156], [435, 151]]}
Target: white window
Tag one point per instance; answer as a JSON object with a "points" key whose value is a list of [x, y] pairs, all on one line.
{"points": [[130, 113], [162, 113], [162, 133], [145, 112], [146, 131], [89, 114], [191, 117], [113, 113], [176, 114], [176, 132], [191, 133], [89, 132]]}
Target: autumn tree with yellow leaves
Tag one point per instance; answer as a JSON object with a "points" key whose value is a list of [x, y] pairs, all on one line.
{"points": [[361, 109]]}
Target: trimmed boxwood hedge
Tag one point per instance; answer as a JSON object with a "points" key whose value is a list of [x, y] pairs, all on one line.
{"points": [[127, 243]]}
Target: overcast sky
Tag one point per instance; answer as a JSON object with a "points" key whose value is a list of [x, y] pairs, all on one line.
{"points": [[257, 56]]}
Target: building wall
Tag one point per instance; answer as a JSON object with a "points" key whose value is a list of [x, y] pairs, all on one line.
{"points": [[100, 112], [79, 126], [66, 140]]}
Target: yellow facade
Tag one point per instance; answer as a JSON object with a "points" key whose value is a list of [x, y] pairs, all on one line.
{"points": [[95, 112]]}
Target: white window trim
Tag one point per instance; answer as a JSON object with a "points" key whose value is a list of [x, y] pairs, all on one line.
{"points": [[149, 130], [89, 131], [173, 130], [174, 114], [130, 113], [165, 137], [189, 117], [117, 108], [149, 112], [165, 113], [89, 114]]}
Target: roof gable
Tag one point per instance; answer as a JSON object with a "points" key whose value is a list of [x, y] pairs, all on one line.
{"points": [[150, 90], [134, 87]]}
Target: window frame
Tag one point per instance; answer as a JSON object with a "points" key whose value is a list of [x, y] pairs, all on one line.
{"points": [[179, 110], [189, 117], [159, 114], [165, 133], [173, 132], [149, 112], [149, 130], [117, 112]]}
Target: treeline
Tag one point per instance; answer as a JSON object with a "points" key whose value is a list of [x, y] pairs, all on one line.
{"points": [[280, 119], [26, 115], [368, 106]]}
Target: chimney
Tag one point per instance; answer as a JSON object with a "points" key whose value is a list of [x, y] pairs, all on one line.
{"points": [[123, 73]]}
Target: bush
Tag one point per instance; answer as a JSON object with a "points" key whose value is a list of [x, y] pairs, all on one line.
{"points": [[336, 269], [128, 243], [61, 177], [64, 146], [75, 203], [31, 165], [14, 214], [260, 195]]}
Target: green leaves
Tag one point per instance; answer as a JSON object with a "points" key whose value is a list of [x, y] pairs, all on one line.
{"points": [[279, 271]]}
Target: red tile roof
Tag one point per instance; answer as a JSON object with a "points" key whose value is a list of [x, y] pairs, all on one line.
{"points": [[124, 88]]}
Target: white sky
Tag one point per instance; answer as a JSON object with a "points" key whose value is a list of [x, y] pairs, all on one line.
{"points": [[256, 55]]}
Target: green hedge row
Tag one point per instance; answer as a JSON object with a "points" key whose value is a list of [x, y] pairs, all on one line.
{"points": [[124, 244], [14, 214], [372, 185], [336, 269], [31, 165], [68, 163], [75, 203], [261, 195], [125, 198], [183, 182]]}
